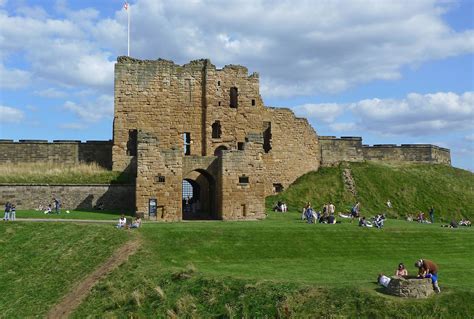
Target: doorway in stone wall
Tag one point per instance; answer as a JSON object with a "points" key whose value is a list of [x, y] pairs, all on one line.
{"points": [[199, 196]]}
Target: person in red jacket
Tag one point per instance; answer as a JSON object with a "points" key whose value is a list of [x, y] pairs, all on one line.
{"points": [[428, 269]]}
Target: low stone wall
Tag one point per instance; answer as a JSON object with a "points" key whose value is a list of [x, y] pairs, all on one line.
{"points": [[410, 287], [59, 151], [112, 197]]}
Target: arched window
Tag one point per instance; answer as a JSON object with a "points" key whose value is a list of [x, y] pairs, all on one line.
{"points": [[234, 94], [216, 129]]}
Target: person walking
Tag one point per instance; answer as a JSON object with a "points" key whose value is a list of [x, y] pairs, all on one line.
{"points": [[431, 211]]}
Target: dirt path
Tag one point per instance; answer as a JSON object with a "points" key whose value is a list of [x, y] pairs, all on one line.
{"points": [[75, 297]]}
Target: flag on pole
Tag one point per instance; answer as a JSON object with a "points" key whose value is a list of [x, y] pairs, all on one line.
{"points": [[126, 7]]}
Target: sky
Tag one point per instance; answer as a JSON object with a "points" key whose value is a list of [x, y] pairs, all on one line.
{"points": [[392, 72]]}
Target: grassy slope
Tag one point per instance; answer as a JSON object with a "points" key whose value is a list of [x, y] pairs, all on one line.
{"points": [[410, 188], [41, 261], [284, 266]]}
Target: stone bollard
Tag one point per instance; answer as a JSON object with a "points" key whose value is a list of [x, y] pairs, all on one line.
{"points": [[410, 287]]}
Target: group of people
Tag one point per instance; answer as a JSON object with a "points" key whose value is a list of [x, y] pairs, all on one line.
{"points": [[122, 222], [56, 205], [10, 212], [280, 207], [426, 269], [377, 221], [326, 216]]}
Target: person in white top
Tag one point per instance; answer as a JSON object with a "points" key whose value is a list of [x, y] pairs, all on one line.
{"points": [[122, 222]]}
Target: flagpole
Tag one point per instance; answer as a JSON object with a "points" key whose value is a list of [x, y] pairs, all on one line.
{"points": [[128, 31]]}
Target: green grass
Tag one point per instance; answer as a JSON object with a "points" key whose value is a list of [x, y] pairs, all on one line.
{"points": [[410, 187], [50, 173], [40, 262], [284, 267], [74, 214]]}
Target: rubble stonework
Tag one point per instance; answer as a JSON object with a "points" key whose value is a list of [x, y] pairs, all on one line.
{"points": [[410, 287]]}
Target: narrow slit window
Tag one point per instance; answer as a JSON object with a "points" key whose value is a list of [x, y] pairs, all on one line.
{"points": [[132, 143], [253, 102], [216, 129], [267, 136], [234, 97], [187, 143]]}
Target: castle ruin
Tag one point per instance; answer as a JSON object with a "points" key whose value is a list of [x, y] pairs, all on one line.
{"points": [[202, 145]]}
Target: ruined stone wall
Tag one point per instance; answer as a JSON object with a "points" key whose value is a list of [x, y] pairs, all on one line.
{"points": [[168, 100], [59, 152], [112, 197], [295, 149], [336, 150]]}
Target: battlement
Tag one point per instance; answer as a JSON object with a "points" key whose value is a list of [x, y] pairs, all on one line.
{"points": [[58, 151], [350, 149]]}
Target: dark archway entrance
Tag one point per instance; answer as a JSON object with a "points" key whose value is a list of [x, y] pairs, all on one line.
{"points": [[199, 196], [218, 151]]}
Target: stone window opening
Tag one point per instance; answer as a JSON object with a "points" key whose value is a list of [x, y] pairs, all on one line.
{"points": [[267, 136], [277, 188], [253, 102], [216, 129], [160, 179], [234, 97], [219, 103], [218, 83], [187, 143], [241, 146], [243, 179], [132, 142]]}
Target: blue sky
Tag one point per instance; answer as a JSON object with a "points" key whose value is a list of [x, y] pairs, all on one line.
{"points": [[389, 71]]}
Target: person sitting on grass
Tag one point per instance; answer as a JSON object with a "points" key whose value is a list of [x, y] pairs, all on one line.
{"points": [[122, 223], [428, 269], [364, 223], [378, 220], [401, 270], [48, 209], [136, 223], [465, 222]]}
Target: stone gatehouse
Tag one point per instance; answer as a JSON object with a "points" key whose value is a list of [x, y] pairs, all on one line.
{"points": [[205, 129]]}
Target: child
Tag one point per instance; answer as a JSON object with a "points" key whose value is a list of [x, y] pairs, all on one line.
{"points": [[401, 271]]}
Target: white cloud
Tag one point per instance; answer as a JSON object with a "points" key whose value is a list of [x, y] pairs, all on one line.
{"points": [[51, 93], [11, 115], [73, 126], [92, 111], [13, 78], [349, 43], [326, 112], [470, 137], [417, 114]]}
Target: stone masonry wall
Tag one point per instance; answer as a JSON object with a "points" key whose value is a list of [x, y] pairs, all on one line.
{"points": [[112, 197], [59, 152], [242, 199], [350, 149], [336, 150]]}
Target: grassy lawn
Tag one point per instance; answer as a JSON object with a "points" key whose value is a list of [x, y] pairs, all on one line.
{"points": [[74, 214], [40, 262], [284, 267]]}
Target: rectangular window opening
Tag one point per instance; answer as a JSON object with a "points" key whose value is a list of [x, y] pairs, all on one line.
{"points": [[240, 146], [243, 179], [187, 143], [253, 102], [132, 142]]}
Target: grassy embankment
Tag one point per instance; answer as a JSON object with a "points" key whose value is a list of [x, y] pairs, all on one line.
{"points": [[40, 262], [410, 187], [49, 173], [284, 267]]}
